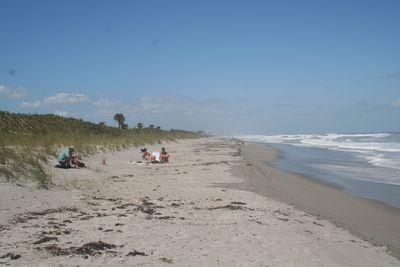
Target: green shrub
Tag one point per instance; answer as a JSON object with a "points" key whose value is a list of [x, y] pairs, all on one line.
{"points": [[28, 140]]}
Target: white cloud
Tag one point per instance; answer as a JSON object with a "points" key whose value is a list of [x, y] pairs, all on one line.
{"points": [[109, 107], [165, 104], [396, 103], [108, 103], [58, 99], [13, 93], [61, 113], [181, 105]]}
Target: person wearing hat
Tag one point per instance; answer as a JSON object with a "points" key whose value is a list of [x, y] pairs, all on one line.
{"points": [[65, 157]]}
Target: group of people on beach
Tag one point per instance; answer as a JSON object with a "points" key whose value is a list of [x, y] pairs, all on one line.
{"points": [[69, 158], [155, 157]]}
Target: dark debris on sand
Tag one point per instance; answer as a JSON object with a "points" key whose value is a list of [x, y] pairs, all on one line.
{"points": [[238, 203], [136, 253], [278, 214], [11, 256], [126, 205], [3, 228], [45, 239], [166, 217], [166, 260], [229, 207], [318, 224], [34, 214], [57, 232], [92, 249], [108, 199], [146, 206]]}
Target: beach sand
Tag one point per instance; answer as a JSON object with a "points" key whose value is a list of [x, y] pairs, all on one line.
{"points": [[371, 220], [197, 210]]}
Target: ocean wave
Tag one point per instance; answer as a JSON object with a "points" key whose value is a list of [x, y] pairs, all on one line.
{"points": [[379, 149], [358, 142]]}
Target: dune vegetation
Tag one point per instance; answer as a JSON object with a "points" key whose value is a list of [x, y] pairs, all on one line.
{"points": [[28, 141]]}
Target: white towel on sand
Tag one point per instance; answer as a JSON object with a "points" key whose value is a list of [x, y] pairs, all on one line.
{"points": [[156, 155]]}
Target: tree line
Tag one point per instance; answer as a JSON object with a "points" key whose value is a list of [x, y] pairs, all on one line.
{"points": [[120, 119]]}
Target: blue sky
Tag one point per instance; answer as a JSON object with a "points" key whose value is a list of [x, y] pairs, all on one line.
{"points": [[227, 67]]}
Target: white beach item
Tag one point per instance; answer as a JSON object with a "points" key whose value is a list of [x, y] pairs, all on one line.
{"points": [[156, 155]]}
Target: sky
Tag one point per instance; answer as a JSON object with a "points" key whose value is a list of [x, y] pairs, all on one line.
{"points": [[224, 67]]}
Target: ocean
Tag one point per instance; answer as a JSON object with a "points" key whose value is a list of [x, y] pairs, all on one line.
{"points": [[364, 165]]}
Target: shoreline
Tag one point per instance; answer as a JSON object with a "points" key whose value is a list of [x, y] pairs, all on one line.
{"points": [[368, 219], [373, 190]]}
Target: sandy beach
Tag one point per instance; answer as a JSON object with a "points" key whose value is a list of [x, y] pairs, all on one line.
{"points": [[371, 220], [215, 204]]}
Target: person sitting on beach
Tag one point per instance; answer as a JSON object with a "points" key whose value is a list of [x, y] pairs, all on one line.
{"points": [[65, 157], [75, 160], [145, 154], [164, 157], [155, 157]]}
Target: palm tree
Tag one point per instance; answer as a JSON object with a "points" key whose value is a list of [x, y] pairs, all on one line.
{"points": [[120, 119]]}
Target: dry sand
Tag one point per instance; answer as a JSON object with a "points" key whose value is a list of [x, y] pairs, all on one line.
{"points": [[175, 214]]}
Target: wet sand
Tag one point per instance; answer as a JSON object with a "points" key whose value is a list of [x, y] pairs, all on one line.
{"points": [[370, 220]]}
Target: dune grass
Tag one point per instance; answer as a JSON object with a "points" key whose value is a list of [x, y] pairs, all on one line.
{"points": [[28, 141]]}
